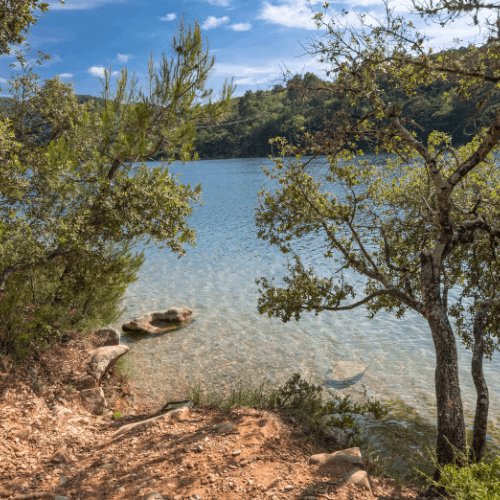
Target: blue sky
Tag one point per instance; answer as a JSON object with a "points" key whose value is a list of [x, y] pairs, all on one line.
{"points": [[251, 40]]}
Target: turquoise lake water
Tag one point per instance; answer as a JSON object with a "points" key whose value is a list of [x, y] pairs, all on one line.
{"points": [[346, 352]]}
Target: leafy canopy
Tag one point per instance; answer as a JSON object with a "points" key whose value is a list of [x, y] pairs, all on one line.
{"points": [[76, 193], [16, 17]]}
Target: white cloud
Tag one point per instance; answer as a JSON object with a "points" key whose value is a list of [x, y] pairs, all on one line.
{"points": [[214, 22], [96, 71], [241, 27], [290, 13], [168, 17], [99, 71], [3, 80], [66, 75], [219, 3], [124, 58], [80, 4], [244, 75], [237, 70], [251, 81]]}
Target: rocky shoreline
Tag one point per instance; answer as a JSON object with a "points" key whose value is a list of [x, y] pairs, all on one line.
{"points": [[55, 444]]}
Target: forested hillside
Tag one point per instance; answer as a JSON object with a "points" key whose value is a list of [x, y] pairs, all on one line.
{"points": [[283, 111], [262, 115]]}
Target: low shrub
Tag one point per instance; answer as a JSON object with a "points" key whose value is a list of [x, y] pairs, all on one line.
{"points": [[474, 481], [39, 306], [303, 403], [122, 369]]}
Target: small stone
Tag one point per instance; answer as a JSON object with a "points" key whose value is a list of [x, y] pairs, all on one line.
{"points": [[225, 427], [154, 495], [62, 480], [235, 453], [120, 489], [61, 498], [109, 335], [288, 487], [60, 456]]}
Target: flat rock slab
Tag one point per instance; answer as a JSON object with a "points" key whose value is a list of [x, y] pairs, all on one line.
{"points": [[158, 321]]}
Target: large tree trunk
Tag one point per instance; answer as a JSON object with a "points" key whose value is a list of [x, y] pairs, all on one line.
{"points": [[451, 425], [482, 402]]}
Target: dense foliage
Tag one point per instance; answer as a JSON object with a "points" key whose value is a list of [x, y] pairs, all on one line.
{"points": [[260, 116], [16, 18], [416, 224], [76, 194]]}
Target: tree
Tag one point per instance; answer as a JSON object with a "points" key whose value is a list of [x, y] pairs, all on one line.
{"points": [[423, 222], [76, 193], [16, 17]]}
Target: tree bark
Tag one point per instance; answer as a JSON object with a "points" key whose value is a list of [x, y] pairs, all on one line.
{"points": [[451, 424], [482, 402]]}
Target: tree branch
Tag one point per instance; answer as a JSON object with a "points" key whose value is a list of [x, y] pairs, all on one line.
{"points": [[114, 168], [464, 233], [387, 291], [484, 149], [19, 267]]}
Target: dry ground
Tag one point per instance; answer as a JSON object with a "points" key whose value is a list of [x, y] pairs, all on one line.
{"points": [[264, 456]]}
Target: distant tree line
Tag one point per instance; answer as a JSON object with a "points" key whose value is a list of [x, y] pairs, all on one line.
{"points": [[283, 111]]}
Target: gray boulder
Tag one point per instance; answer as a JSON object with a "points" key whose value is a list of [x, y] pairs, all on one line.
{"points": [[100, 361], [109, 335]]}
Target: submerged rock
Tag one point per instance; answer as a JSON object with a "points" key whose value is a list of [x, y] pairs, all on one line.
{"points": [[158, 321]]}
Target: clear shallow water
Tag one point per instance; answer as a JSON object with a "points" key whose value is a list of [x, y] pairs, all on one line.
{"points": [[228, 339]]}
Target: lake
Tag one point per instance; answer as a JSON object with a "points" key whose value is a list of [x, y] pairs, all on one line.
{"points": [[227, 340]]}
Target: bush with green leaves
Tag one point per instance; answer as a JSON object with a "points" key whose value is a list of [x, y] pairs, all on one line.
{"points": [[474, 481], [303, 403], [76, 193], [39, 306]]}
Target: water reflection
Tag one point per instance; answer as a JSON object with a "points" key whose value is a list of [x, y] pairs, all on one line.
{"points": [[228, 340]]}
